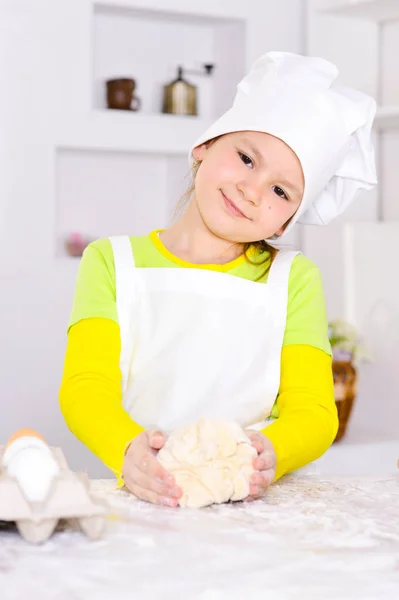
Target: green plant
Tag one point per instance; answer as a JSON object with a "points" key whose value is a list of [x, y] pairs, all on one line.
{"points": [[346, 343]]}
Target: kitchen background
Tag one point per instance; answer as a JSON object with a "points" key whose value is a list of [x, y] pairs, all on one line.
{"points": [[71, 170]]}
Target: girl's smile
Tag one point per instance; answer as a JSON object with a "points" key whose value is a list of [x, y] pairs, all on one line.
{"points": [[232, 208]]}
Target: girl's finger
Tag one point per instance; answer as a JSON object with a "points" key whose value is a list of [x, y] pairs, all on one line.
{"points": [[137, 477], [253, 435], [256, 478], [254, 490], [260, 481], [249, 499], [268, 477], [258, 447], [265, 461], [263, 479], [156, 439], [148, 464], [150, 496], [256, 440]]}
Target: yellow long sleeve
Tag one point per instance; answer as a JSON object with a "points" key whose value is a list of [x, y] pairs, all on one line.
{"points": [[91, 399], [91, 394], [308, 419]]}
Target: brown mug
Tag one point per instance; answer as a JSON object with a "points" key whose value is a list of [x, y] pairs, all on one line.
{"points": [[120, 94]]}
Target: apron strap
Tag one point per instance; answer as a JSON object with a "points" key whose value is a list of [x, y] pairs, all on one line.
{"points": [[278, 278], [125, 271], [279, 273]]}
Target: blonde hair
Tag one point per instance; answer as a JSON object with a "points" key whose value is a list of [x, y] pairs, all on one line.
{"points": [[261, 246]]}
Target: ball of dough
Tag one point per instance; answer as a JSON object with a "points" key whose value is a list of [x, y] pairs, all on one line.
{"points": [[211, 461]]}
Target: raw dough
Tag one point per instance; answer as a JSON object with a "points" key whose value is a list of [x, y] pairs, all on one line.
{"points": [[211, 461]]}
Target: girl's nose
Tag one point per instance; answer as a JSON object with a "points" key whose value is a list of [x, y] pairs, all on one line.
{"points": [[251, 191]]}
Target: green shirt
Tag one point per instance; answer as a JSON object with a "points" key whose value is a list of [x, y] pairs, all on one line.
{"points": [[95, 293]]}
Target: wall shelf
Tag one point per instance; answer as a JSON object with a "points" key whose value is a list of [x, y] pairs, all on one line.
{"points": [[379, 11], [206, 8], [387, 117], [121, 131], [148, 43], [102, 192]]}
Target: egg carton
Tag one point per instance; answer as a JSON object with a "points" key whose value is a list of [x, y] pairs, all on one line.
{"points": [[69, 499]]}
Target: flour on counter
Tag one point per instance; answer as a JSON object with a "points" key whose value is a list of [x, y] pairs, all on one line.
{"points": [[314, 538]]}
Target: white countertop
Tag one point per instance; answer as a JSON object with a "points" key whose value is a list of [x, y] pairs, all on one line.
{"points": [[312, 538], [357, 456]]}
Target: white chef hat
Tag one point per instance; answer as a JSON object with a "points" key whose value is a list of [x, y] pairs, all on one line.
{"points": [[328, 126]]}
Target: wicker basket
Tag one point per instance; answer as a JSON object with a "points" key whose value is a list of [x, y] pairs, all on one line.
{"points": [[345, 381]]}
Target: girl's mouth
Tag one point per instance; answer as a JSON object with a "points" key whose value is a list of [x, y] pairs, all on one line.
{"points": [[232, 208]]}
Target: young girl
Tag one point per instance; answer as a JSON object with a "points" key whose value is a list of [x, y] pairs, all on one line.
{"points": [[206, 318]]}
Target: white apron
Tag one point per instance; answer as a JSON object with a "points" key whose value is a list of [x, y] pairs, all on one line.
{"points": [[199, 343]]}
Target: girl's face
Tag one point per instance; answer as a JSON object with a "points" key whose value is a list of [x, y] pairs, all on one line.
{"points": [[248, 186]]}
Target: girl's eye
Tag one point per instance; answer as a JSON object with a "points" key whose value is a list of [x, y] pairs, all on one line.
{"points": [[280, 192], [245, 159]]}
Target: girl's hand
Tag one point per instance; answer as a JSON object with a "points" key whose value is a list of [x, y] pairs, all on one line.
{"points": [[264, 463], [142, 473]]}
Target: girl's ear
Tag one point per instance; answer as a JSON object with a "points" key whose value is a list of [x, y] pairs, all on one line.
{"points": [[199, 152], [283, 227]]}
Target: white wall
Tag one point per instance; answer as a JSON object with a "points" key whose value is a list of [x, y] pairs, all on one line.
{"points": [[365, 53], [371, 305], [390, 140], [126, 178], [48, 75]]}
